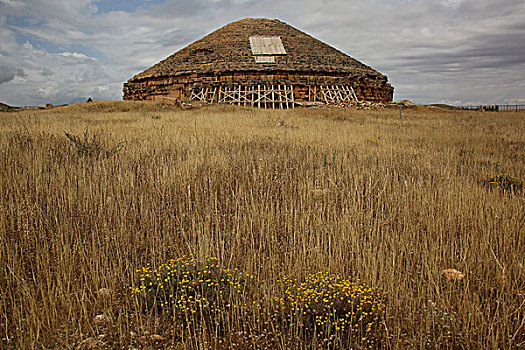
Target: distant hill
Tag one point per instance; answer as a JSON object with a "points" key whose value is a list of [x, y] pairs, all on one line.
{"points": [[7, 108], [444, 106]]}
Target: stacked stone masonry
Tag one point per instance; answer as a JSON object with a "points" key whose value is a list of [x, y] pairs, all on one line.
{"points": [[224, 58]]}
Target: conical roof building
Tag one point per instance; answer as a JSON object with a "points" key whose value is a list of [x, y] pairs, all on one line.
{"points": [[261, 62]]}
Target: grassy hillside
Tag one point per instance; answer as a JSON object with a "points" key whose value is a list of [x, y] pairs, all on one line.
{"points": [[274, 196], [6, 108]]}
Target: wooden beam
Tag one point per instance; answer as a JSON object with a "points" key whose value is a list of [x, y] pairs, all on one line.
{"points": [[280, 97]]}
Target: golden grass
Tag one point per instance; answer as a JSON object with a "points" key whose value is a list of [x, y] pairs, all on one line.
{"points": [[275, 194]]}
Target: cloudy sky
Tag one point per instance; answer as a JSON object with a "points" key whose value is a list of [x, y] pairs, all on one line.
{"points": [[433, 51]]}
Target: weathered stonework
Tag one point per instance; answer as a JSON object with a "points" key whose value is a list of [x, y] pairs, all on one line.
{"points": [[224, 59]]}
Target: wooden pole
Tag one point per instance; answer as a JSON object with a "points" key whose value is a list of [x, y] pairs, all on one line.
{"points": [[280, 96], [293, 98], [273, 97]]}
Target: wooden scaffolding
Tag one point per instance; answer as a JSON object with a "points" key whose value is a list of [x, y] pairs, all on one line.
{"points": [[203, 94], [332, 94], [265, 96], [274, 96]]}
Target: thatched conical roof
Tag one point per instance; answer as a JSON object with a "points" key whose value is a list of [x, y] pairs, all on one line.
{"points": [[228, 50]]}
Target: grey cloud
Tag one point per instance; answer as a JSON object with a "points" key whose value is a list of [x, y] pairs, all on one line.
{"points": [[8, 73], [6, 76], [179, 37], [432, 51], [496, 51], [198, 9], [46, 72], [70, 11]]}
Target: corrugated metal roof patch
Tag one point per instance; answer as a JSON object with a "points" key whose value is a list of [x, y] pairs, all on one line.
{"points": [[267, 45]]}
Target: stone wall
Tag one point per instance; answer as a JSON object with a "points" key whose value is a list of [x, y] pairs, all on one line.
{"points": [[371, 88]]}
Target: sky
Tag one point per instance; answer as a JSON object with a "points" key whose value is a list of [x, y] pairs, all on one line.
{"points": [[433, 51]]}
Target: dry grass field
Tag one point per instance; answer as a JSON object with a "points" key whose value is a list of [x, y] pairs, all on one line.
{"points": [[271, 198]]}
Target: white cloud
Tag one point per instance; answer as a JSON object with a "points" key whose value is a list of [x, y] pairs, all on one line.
{"points": [[56, 77], [77, 55]]}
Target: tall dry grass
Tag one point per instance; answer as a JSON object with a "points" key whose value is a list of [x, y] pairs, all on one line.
{"points": [[273, 193]]}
